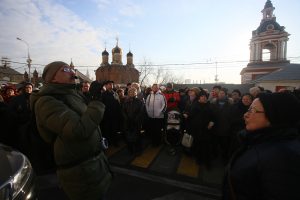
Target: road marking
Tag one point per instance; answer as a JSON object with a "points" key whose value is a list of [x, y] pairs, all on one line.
{"points": [[200, 188], [188, 167], [147, 157]]}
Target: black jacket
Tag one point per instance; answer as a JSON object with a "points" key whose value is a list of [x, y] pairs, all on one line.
{"points": [[133, 109], [266, 167], [224, 119], [238, 111], [200, 114]]}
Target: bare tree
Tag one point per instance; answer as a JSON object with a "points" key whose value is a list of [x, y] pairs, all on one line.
{"points": [[163, 76], [150, 74], [158, 75], [146, 70]]}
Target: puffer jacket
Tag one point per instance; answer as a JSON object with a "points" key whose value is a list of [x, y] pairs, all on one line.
{"points": [[266, 167], [68, 122], [156, 105]]}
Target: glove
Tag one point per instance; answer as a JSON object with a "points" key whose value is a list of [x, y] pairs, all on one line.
{"points": [[96, 90]]}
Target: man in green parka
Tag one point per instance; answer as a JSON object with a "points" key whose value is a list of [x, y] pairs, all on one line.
{"points": [[65, 120]]}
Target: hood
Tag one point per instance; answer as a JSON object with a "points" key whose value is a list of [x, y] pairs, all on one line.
{"points": [[52, 89]]}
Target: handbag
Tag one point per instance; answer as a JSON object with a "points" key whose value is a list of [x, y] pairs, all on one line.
{"points": [[187, 140]]}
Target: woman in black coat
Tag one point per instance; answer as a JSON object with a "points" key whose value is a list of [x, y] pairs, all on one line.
{"points": [[200, 121], [133, 110], [267, 166], [222, 108]]}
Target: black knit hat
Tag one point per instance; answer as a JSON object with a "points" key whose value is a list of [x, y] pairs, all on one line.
{"points": [[203, 93], [51, 69], [108, 81], [282, 109]]}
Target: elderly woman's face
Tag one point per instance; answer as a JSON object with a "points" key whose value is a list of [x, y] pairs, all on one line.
{"points": [[255, 118], [246, 100], [192, 93], [132, 93]]}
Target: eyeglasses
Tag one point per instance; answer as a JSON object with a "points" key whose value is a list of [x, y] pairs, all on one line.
{"points": [[68, 70], [254, 110]]}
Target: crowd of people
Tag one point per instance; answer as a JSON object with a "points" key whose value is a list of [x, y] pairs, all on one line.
{"points": [[221, 123], [213, 118]]}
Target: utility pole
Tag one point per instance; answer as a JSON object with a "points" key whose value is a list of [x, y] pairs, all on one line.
{"points": [[28, 58], [216, 76]]}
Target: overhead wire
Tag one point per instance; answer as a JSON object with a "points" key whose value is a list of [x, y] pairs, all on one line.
{"points": [[167, 66]]}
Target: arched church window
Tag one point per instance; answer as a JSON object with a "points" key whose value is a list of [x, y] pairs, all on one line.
{"points": [[266, 55]]}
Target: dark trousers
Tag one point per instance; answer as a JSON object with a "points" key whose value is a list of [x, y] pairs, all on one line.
{"points": [[224, 145], [155, 125], [109, 130]]}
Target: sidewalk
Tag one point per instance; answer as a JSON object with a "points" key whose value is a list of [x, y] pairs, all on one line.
{"points": [[180, 170]]}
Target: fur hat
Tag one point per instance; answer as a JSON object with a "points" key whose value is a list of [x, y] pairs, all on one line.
{"points": [[282, 109], [51, 69]]}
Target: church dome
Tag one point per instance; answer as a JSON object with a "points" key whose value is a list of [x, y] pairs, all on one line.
{"points": [[129, 54], [105, 53], [268, 4], [116, 50]]}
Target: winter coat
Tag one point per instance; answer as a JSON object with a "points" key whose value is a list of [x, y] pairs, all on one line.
{"points": [[20, 106], [8, 127], [133, 110], [199, 115], [73, 128], [172, 98], [266, 167], [156, 105], [183, 102], [223, 116], [113, 112], [238, 122]]}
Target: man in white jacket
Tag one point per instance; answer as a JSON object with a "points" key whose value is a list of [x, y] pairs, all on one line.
{"points": [[155, 107]]}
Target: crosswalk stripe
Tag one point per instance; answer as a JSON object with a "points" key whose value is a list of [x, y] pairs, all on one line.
{"points": [[188, 166], [147, 157]]}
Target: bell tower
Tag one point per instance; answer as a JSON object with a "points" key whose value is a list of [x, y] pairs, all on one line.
{"points": [[268, 47], [269, 40]]}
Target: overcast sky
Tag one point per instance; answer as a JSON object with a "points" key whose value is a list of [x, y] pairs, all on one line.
{"points": [[159, 31]]}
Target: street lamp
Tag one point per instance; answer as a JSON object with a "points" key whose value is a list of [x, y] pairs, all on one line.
{"points": [[28, 59]]}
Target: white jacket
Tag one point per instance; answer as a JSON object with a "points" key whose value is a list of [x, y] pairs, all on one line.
{"points": [[156, 105]]}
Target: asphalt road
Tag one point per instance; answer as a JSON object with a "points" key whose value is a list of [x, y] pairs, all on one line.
{"points": [[128, 186]]}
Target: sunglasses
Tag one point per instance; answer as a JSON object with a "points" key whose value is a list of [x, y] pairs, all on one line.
{"points": [[68, 70]]}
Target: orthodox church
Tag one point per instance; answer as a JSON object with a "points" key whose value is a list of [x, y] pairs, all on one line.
{"points": [[116, 71], [268, 66]]}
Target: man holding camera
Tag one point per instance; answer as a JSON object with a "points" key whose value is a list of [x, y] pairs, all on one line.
{"points": [[66, 121]]}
